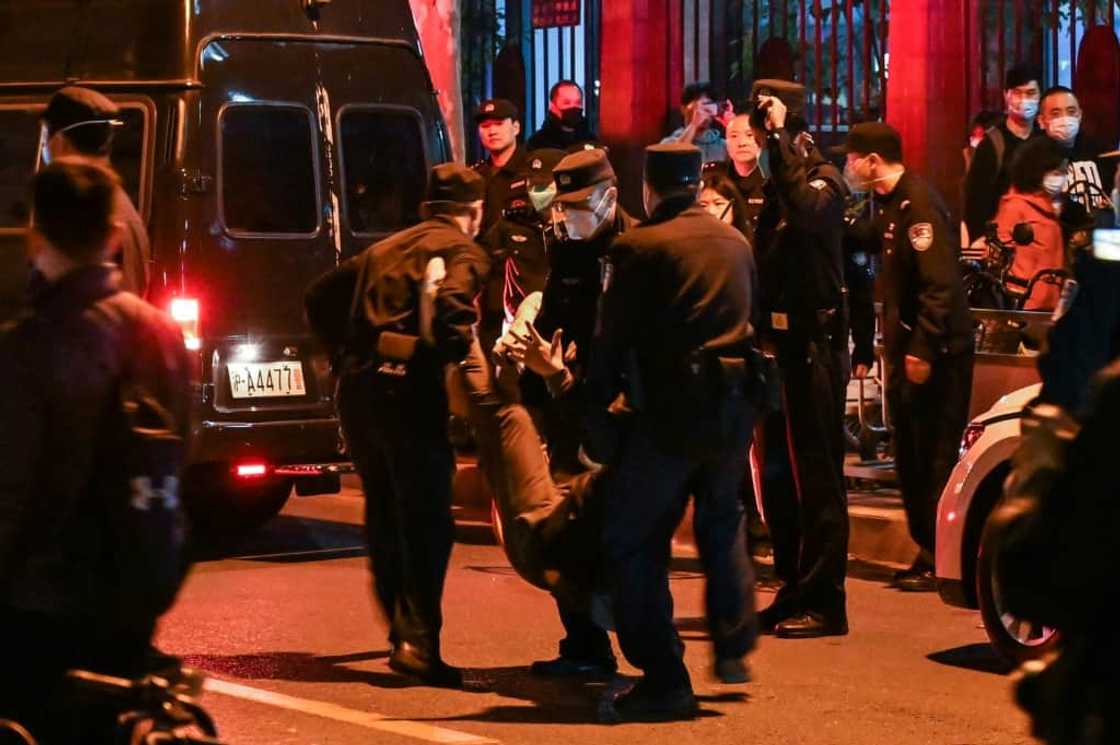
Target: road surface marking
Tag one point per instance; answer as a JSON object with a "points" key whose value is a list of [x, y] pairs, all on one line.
{"points": [[368, 719]]}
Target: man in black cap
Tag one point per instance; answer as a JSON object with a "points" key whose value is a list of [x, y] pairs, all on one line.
{"points": [[799, 249], [927, 331], [504, 171], [674, 338], [566, 125], [80, 123], [392, 318], [503, 168], [989, 174]]}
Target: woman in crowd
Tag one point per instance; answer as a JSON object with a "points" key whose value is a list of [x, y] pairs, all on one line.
{"points": [[1038, 178]]}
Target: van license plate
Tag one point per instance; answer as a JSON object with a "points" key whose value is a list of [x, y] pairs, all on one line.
{"points": [[266, 379]]}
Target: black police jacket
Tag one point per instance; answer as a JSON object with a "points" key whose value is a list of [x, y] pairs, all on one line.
{"points": [[570, 302], [518, 261], [752, 188], [63, 367], [925, 311], [501, 184], [680, 294], [799, 237], [379, 290]]}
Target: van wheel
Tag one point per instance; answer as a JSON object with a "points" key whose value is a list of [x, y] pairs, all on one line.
{"points": [[1015, 639], [221, 507], [496, 523]]}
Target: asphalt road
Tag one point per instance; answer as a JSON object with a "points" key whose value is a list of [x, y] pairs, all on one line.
{"points": [[285, 626]]}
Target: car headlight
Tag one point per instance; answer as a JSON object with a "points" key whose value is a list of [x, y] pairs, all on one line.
{"points": [[971, 434]]}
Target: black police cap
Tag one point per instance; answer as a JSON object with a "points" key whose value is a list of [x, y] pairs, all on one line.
{"points": [[76, 105], [496, 108], [672, 165], [451, 182], [579, 174], [541, 165], [873, 137], [788, 92]]}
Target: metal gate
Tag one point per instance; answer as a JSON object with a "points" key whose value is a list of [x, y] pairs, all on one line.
{"points": [[1045, 32], [496, 32], [837, 48]]}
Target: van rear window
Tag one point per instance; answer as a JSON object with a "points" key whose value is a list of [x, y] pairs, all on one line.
{"points": [[268, 176], [384, 166], [19, 138]]}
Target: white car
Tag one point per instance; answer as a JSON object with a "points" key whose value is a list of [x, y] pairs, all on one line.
{"points": [[964, 568]]}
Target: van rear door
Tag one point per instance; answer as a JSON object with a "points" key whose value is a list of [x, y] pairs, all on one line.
{"points": [[270, 226], [387, 132]]}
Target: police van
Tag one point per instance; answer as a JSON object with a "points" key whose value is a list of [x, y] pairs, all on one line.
{"points": [[262, 142]]}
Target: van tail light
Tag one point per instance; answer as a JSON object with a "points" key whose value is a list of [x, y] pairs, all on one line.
{"points": [[971, 434], [249, 470], [184, 311]]}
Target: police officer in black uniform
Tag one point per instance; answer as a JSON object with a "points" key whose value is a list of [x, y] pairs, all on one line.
{"points": [[393, 317], [504, 173], [519, 260], [927, 331], [589, 220], [801, 272], [744, 169], [674, 337]]}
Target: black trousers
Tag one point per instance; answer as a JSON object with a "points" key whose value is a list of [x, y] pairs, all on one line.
{"points": [[809, 522], [396, 429], [929, 420], [648, 490], [38, 649]]}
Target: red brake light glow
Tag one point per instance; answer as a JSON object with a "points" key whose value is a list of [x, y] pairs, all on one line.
{"points": [[251, 470], [185, 312]]}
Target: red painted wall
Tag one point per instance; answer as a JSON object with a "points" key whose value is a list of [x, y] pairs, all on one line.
{"points": [[638, 82], [928, 89]]}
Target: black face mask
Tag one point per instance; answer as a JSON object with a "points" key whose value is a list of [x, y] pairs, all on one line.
{"points": [[571, 118]]}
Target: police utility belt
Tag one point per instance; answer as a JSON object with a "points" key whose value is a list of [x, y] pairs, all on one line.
{"points": [[809, 324]]}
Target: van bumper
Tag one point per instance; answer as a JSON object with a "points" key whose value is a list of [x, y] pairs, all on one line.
{"points": [[291, 442]]}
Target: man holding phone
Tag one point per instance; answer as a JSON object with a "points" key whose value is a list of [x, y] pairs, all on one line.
{"points": [[704, 116]]}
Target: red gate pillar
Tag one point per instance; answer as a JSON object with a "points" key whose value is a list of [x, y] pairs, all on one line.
{"points": [[639, 82], [928, 87]]}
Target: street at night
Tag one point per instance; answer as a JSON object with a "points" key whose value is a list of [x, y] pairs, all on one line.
{"points": [[285, 628]]}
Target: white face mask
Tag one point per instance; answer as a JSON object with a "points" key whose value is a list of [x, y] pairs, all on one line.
{"points": [[582, 224], [1054, 184], [1064, 129], [975, 142]]}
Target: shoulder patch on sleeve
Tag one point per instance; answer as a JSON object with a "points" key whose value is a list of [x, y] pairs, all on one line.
{"points": [[818, 184], [921, 236]]}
